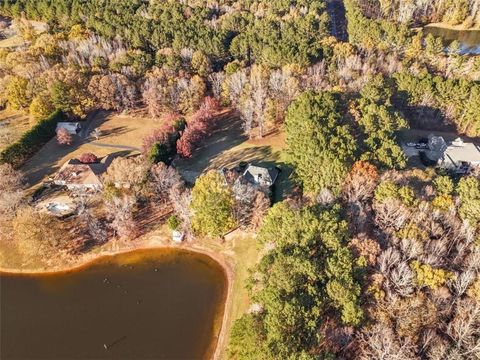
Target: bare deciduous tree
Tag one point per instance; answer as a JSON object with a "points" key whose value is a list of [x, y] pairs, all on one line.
{"points": [[163, 180], [379, 342], [181, 199], [120, 211], [129, 173]]}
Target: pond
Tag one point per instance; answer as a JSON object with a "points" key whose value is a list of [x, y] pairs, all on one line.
{"points": [[155, 304], [469, 39]]}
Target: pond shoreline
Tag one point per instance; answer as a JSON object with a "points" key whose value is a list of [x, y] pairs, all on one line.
{"points": [[218, 342]]}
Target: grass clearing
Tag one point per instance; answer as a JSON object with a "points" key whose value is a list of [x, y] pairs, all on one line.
{"points": [[12, 125], [243, 251], [228, 146]]}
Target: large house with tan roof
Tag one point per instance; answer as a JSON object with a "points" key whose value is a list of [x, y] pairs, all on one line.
{"points": [[76, 175]]}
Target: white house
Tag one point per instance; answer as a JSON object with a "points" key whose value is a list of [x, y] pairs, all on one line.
{"points": [[76, 175], [459, 154]]}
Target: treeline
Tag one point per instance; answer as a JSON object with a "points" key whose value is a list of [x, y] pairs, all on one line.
{"points": [[274, 33], [457, 101]]}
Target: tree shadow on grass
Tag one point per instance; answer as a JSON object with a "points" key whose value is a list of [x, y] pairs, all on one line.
{"points": [[228, 134], [119, 130], [43, 162]]}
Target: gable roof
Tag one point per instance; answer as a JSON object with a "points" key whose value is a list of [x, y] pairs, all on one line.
{"points": [[462, 152], [74, 172], [257, 174], [71, 127]]}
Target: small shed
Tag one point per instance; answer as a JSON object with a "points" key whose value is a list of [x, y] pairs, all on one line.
{"points": [[177, 236], [73, 128]]}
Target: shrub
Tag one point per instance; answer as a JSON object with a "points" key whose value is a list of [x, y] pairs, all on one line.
{"points": [[386, 190], [31, 141], [173, 222], [412, 232], [159, 152], [443, 185], [468, 190], [64, 137], [389, 190], [443, 202], [474, 290]]}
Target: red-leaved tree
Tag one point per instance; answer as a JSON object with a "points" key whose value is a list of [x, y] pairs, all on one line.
{"points": [[88, 158], [64, 137], [198, 127]]}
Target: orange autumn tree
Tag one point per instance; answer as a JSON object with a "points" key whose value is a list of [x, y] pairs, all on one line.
{"points": [[360, 182]]}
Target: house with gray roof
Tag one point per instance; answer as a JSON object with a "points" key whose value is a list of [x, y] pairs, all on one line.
{"points": [[262, 176], [457, 155]]}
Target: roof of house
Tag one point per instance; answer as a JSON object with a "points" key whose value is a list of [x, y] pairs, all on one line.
{"points": [[459, 152], [74, 172], [253, 172], [455, 152]]}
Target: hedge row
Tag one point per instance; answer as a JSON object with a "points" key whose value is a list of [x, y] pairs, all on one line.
{"points": [[31, 141]]}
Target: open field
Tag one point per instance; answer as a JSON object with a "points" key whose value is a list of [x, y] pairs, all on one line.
{"points": [[119, 133], [12, 125]]}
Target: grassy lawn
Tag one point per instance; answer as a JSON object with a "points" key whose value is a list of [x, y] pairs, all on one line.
{"points": [[228, 146], [246, 256], [242, 250], [12, 125], [119, 133]]}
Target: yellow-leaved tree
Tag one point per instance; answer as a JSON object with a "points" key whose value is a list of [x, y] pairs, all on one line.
{"points": [[212, 205]]}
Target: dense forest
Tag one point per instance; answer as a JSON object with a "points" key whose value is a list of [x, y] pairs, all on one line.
{"points": [[367, 257], [275, 33]]}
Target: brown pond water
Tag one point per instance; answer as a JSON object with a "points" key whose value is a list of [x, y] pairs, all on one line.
{"points": [[469, 39], [160, 304]]}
